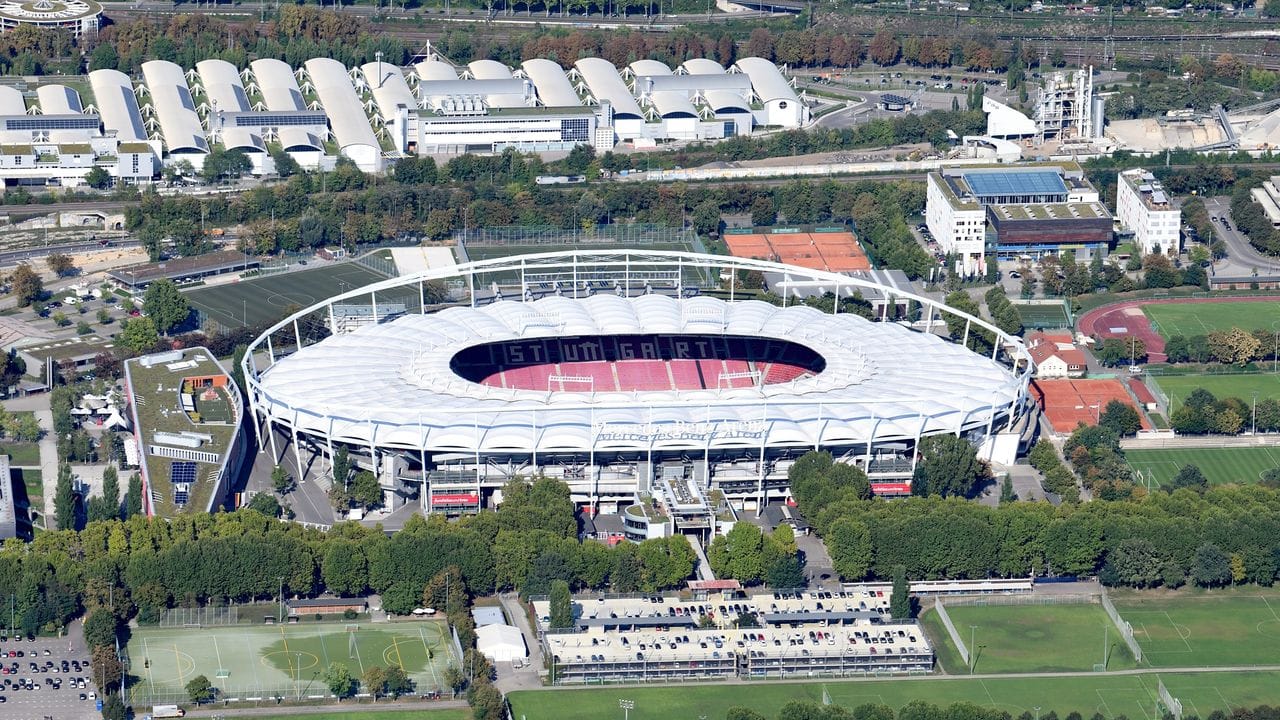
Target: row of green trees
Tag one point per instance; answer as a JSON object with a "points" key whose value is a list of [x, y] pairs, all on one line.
{"points": [[1234, 346], [1202, 413]]}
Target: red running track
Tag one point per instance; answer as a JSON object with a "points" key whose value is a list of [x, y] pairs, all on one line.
{"points": [[1126, 320]]}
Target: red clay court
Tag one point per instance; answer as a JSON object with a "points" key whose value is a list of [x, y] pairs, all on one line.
{"points": [[1067, 403], [1126, 320], [834, 251]]}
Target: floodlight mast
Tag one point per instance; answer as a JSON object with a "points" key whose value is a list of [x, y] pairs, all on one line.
{"points": [[627, 706]]}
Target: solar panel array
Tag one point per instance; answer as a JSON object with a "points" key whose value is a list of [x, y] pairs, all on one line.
{"points": [[181, 475], [1017, 182]]}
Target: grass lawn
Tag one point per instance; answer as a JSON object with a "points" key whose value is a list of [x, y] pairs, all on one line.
{"points": [[1178, 387], [1202, 318], [1029, 638], [1219, 465], [425, 712], [22, 453], [1222, 627], [1111, 695]]}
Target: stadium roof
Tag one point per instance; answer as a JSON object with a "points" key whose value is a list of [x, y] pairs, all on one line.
{"points": [[11, 102], [766, 80], [988, 183], [117, 105], [222, 86], [277, 84], [489, 70], [171, 99], [553, 86], [389, 88], [435, 70], [881, 381], [346, 114], [602, 77], [58, 100]]}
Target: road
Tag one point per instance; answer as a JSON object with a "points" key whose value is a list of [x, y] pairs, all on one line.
{"points": [[219, 711], [1242, 258], [47, 208], [13, 257]]}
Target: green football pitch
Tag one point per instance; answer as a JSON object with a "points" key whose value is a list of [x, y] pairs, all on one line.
{"points": [[1220, 628], [1029, 638], [288, 661], [1219, 465], [1177, 387], [1202, 318], [261, 299], [1111, 695]]}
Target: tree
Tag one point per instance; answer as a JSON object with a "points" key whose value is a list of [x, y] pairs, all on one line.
{"points": [[341, 465], [100, 628], [1234, 346], [165, 306], [200, 690], [339, 681], [26, 285], [365, 489], [133, 498], [398, 682], [454, 679], [107, 668], [763, 212], [1210, 566], [266, 504], [900, 599], [97, 178], [112, 706], [948, 466], [139, 335], [1007, 494], [61, 264], [737, 712], [280, 479], [1121, 418], [64, 500], [849, 542], [344, 568], [561, 606], [375, 680], [487, 702], [1189, 476], [107, 506]]}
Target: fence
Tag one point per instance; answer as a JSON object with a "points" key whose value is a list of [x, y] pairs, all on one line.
{"points": [[1171, 704], [951, 630], [1126, 630], [381, 265], [1065, 599], [200, 617]]}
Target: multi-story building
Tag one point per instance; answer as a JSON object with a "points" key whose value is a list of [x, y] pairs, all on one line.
{"points": [[958, 223], [1144, 207]]}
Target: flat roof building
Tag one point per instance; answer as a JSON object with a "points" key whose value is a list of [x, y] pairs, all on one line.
{"points": [[138, 277], [1146, 208]]}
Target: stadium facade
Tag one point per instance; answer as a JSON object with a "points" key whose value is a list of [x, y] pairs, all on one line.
{"points": [[624, 373], [376, 113]]}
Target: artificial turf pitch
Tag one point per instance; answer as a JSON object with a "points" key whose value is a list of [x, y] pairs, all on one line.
{"points": [[1029, 638], [1243, 465], [1111, 695], [265, 298], [1226, 627], [266, 661], [1178, 387], [1202, 318]]}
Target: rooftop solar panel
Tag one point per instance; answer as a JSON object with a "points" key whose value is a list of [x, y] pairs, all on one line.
{"points": [[182, 472], [1017, 182], [892, 99]]}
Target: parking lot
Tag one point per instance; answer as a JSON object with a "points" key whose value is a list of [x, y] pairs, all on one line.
{"points": [[46, 679]]}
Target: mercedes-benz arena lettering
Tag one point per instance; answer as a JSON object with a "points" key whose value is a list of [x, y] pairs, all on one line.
{"points": [[614, 370]]}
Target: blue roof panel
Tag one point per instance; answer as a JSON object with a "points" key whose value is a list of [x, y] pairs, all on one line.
{"points": [[1015, 182]]}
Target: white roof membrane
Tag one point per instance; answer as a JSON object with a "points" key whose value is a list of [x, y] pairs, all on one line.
{"points": [[553, 86], [277, 85], [11, 102], [489, 70], [222, 86], [766, 80], [606, 85], [117, 105], [59, 100], [435, 70], [171, 99], [389, 88], [346, 114]]}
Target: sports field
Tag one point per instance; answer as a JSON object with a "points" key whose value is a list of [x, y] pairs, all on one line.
{"points": [[264, 661], [1043, 315], [1202, 318], [1217, 628], [258, 300], [1178, 387], [421, 712], [1219, 465], [1029, 638], [1110, 695], [488, 252]]}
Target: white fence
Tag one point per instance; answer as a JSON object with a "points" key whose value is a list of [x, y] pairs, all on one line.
{"points": [[1126, 630], [963, 649]]}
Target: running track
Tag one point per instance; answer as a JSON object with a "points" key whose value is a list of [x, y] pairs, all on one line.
{"points": [[1125, 320]]}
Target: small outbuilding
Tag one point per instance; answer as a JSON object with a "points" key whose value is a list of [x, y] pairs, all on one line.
{"points": [[501, 643]]}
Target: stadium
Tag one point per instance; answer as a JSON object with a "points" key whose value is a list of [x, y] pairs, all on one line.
{"points": [[624, 373]]}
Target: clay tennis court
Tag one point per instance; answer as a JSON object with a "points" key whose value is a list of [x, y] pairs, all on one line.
{"points": [[1126, 320], [1067, 403], [831, 251]]}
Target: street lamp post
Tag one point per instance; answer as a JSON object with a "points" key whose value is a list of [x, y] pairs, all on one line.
{"points": [[627, 706]]}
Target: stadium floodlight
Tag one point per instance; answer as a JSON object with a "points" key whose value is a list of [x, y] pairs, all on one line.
{"points": [[627, 706]]}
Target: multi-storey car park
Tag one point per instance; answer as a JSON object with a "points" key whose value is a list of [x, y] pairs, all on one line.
{"points": [[626, 374], [375, 113]]}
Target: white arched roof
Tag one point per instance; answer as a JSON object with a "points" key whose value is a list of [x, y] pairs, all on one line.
{"points": [[11, 102], [278, 86], [553, 86], [346, 114], [672, 104], [766, 80], [117, 105], [59, 100], [1003, 121], [726, 100], [222, 86], [389, 88], [606, 85], [489, 70], [649, 67], [702, 66], [171, 99], [435, 70]]}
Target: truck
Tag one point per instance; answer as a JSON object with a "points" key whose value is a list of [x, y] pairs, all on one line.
{"points": [[167, 711]]}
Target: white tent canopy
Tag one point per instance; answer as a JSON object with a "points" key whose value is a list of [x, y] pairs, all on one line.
{"points": [[501, 643]]}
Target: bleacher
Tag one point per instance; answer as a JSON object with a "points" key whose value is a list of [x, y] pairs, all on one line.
{"points": [[686, 374], [600, 372], [646, 375]]}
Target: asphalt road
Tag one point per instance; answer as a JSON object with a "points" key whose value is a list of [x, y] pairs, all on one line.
{"points": [[1242, 258]]}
